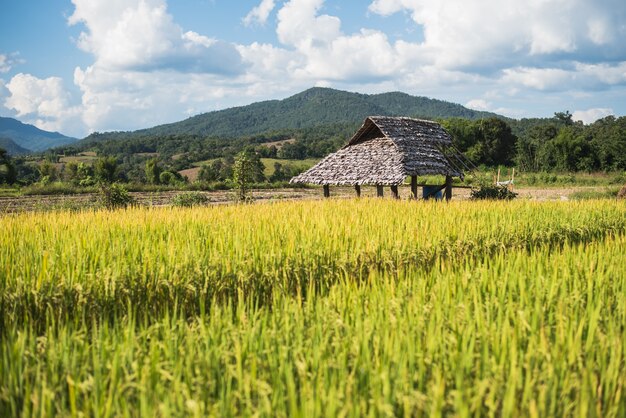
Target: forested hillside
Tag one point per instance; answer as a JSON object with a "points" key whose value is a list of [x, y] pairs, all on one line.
{"points": [[314, 107]]}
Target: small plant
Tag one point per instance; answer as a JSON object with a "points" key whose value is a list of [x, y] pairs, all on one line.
{"points": [[492, 192], [189, 199], [114, 196]]}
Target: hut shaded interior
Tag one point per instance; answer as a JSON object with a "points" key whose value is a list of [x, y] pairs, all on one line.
{"points": [[383, 152]]}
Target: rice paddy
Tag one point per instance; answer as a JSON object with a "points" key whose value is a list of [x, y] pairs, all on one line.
{"points": [[334, 308]]}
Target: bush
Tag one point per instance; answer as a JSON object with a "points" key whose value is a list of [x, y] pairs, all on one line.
{"points": [[492, 192], [114, 196], [189, 199]]}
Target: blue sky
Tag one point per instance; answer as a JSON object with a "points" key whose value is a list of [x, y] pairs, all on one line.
{"points": [[79, 66]]}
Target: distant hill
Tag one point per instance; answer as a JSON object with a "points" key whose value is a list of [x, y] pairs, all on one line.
{"points": [[313, 107], [11, 147], [30, 137]]}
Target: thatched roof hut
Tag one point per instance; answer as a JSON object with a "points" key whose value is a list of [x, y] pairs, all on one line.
{"points": [[383, 152]]}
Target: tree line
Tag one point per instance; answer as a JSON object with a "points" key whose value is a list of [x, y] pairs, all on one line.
{"points": [[556, 144]]}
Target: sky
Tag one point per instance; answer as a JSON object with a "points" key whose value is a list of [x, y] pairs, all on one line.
{"points": [[80, 66]]}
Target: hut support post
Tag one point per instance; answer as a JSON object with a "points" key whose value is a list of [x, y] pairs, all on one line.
{"points": [[448, 188], [357, 188], [394, 192], [379, 191], [414, 187], [326, 190]]}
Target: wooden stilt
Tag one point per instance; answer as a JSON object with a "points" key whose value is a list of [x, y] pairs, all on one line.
{"points": [[379, 191], [394, 192], [357, 188], [414, 187], [448, 188], [326, 190]]}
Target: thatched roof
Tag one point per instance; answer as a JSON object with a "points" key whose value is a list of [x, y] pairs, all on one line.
{"points": [[384, 151]]}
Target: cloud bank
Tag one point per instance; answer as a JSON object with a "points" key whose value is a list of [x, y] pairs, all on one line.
{"points": [[497, 55]]}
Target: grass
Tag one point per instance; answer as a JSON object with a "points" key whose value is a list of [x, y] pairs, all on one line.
{"points": [[606, 193], [299, 164], [324, 308]]}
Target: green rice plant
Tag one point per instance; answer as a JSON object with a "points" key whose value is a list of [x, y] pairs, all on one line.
{"points": [[98, 263], [518, 332]]}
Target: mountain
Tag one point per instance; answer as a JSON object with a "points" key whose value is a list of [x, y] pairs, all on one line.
{"points": [[313, 107], [11, 147], [30, 137]]}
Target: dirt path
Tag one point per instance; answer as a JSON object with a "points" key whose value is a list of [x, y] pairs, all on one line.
{"points": [[52, 202]]}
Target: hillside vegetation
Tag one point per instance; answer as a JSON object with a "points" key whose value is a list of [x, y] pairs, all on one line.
{"points": [[314, 107]]}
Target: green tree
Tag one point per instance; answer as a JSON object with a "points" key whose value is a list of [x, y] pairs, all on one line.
{"points": [[243, 175], [217, 170], [564, 117], [8, 172], [105, 169], [153, 171], [47, 172]]}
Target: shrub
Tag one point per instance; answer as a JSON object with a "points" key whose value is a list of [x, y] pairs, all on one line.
{"points": [[492, 192], [114, 196], [189, 199]]}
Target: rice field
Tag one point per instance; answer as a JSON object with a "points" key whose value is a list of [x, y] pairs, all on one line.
{"points": [[320, 308]]}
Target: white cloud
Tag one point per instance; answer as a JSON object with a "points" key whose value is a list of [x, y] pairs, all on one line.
{"points": [[5, 64], [42, 102], [260, 13], [8, 61], [495, 55], [591, 115], [501, 33], [140, 35], [478, 104]]}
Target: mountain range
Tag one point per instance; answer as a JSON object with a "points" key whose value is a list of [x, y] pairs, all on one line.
{"points": [[22, 138]]}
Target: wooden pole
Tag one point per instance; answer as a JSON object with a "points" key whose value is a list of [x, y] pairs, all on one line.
{"points": [[379, 191], [498, 179], [448, 188], [326, 190], [358, 190], [414, 187], [512, 178], [394, 192]]}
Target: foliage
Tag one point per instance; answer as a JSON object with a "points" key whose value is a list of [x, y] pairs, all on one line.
{"points": [[220, 169], [55, 188], [8, 173], [80, 174], [105, 169], [114, 196], [189, 199], [315, 309], [48, 172], [153, 171], [493, 192], [246, 169]]}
